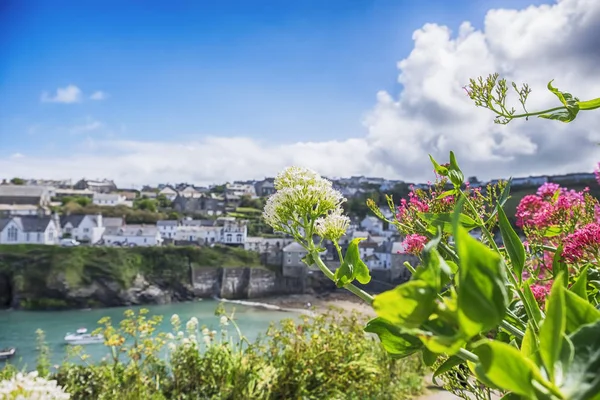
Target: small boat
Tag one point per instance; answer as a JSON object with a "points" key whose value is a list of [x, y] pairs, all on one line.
{"points": [[5, 354], [82, 337]]}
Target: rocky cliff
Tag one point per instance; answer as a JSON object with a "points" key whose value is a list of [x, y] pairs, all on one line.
{"points": [[50, 277]]}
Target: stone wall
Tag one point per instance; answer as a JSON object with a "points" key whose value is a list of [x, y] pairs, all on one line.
{"points": [[244, 283]]}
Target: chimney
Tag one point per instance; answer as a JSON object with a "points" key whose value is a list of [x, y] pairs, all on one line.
{"points": [[56, 220], [99, 219]]}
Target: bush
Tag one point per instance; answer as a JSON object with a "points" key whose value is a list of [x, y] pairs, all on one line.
{"points": [[322, 357]]}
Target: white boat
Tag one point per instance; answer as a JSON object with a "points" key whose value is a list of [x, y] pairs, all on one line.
{"points": [[82, 337], [6, 354]]}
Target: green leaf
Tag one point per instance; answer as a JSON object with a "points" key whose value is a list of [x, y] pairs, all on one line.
{"points": [[571, 106], [446, 194], [440, 170], [589, 104], [446, 344], [530, 343], [446, 366], [308, 260], [454, 173], [532, 305], [552, 231], [506, 367], [513, 244], [352, 268], [582, 380], [408, 305], [482, 293], [580, 312], [429, 357], [580, 285], [444, 221], [396, 343], [553, 328], [559, 268]]}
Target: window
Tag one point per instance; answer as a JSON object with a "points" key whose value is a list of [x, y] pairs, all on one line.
{"points": [[12, 234], [239, 238], [86, 230], [27, 237], [229, 238], [145, 240], [68, 230], [39, 237], [289, 258], [51, 235]]}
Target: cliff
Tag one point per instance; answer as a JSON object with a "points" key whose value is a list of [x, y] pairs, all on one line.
{"points": [[52, 277]]}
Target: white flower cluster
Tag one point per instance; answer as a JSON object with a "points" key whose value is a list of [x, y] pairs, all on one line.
{"points": [[301, 193], [224, 321], [192, 324], [333, 226], [31, 387]]}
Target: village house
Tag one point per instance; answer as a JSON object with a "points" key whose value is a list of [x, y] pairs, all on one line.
{"points": [[22, 194], [83, 228], [366, 248], [113, 222], [169, 193], [203, 205], [62, 193], [266, 245], [373, 225], [109, 199], [234, 231], [132, 235], [204, 231], [265, 187], [293, 254], [29, 230], [98, 186], [240, 189], [22, 209], [167, 228]]}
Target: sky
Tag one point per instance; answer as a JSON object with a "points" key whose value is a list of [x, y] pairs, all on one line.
{"points": [[208, 92]]}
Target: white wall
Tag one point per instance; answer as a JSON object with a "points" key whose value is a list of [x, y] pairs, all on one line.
{"points": [[168, 231], [141, 240], [50, 236]]}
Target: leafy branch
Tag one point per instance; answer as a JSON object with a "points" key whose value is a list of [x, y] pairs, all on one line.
{"points": [[491, 93]]}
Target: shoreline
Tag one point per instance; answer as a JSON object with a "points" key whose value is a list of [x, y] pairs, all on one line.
{"points": [[344, 301]]}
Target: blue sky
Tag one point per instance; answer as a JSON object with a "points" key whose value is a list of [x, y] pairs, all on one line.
{"points": [[275, 71]]}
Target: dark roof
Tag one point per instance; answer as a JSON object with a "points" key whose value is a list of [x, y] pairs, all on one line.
{"points": [[4, 222], [31, 223], [198, 222], [75, 220], [167, 222], [110, 222]]}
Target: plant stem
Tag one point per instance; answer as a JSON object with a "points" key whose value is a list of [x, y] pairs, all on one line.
{"points": [[512, 329], [467, 355], [533, 114], [510, 274], [350, 287]]}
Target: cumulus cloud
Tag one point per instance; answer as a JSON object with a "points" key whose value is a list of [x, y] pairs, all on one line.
{"points": [[66, 95], [430, 115], [99, 95]]}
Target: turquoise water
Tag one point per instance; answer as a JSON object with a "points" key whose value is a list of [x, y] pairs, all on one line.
{"points": [[17, 328]]}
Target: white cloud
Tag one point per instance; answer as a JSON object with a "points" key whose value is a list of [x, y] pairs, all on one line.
{"points": [[432, 114], [90, 125], [68, 94], [99, 95], [15, 156]]}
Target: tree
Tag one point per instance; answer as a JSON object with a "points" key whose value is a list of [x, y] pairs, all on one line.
{"points": [[145, 204], [17, 181], [163, 202], [83, 201]]}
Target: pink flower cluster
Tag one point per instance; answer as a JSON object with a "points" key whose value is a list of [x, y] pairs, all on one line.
{"points": [[540, 292], [583, 244], [413, 244], [597, 172], [549, 206], [414, 202]]}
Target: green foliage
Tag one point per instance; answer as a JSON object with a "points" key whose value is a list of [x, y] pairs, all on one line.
{"points": [[352, 267], [492, 92], [17, 181], [306, 359], [34, 268]]}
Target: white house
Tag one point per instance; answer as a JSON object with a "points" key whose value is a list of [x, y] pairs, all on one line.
{"points": [[234, 232], [366, 248], [108, 199], [133, 235], [169, 193], [264, 245], [83, 228], [167, 228], [29, 230], [22, 209], [372, 225], [240, 189]]}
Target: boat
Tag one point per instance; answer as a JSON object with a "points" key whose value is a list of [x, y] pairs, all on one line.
{"points": [[7, 353], [82, 337]]}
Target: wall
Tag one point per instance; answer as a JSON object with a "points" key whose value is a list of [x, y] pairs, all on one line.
{"points": [[244, 283]]}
